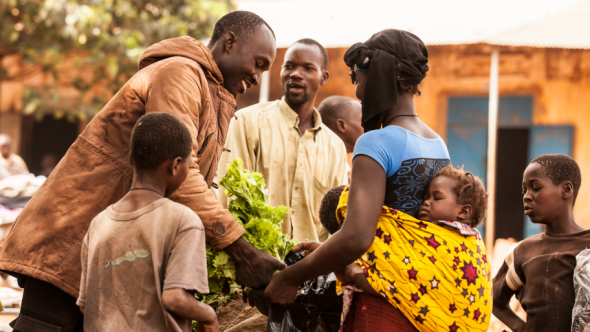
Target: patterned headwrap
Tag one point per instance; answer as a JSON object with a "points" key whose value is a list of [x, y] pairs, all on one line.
{"points": [[389, 56]]}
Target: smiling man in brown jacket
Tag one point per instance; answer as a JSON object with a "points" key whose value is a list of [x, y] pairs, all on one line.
{"points": [[180, 76]]}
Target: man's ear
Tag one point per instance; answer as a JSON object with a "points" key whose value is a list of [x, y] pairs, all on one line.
{"points": [[567, 190], [465, 212], [175, 165], [341, 125], [229, 42], [325, 76]]}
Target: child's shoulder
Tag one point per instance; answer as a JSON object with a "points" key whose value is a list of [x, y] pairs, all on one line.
{"points": [[183, 213]]}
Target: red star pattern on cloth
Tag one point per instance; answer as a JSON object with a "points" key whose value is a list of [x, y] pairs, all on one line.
{"points": [[423, 290], [415, 298], [422, 225], [387, 239], [485, 258], [412, 273], [379, 232], [420, 319], [454, 327], [456, 249], [476, 315], [457, 260], [452, 308], [431, 241], [432, 259], [469, 272], [463, 247]]}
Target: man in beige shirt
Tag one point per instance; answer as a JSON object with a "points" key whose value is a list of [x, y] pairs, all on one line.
{"points": [[286, 141]]}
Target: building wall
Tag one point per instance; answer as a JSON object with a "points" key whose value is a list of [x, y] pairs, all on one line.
{"points": [[558, 80]]}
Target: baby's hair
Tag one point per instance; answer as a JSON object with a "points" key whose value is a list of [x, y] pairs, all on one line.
{"points": [[560, 168], [156, 138], [328, 209], [469, 190]]}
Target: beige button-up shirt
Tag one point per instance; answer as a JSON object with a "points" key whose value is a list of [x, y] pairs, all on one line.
{"points": [[298, 168]]}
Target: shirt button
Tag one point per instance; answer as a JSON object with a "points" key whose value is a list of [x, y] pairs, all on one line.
{"points": [[219, 230]]}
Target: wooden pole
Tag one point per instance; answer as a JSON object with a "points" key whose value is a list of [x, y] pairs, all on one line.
{"points": [[264, 87], [492, 141]]}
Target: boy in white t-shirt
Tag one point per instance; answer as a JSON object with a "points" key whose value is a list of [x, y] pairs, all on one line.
{"points": [[144, 258]]}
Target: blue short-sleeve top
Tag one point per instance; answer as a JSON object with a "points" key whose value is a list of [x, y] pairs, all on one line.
{"points": [[409, 162]]}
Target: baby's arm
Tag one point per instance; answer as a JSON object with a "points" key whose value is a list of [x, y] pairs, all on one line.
{"points": [[508, 317], [353, 274], [184, 304]]}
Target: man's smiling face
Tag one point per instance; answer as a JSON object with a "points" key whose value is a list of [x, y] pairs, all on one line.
{"points": [[245, 59]]}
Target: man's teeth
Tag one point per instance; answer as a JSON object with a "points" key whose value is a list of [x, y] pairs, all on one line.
{"points": [[244, 85]]}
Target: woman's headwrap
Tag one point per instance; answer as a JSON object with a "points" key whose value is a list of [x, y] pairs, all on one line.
{"points": [[389, 55]]}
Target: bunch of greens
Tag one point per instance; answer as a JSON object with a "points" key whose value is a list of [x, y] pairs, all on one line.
{"points": [[249, 205]]}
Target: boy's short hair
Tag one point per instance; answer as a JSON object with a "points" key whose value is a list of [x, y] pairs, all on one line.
{"points": [[156, 138], [469, 190], [328, 209], [560, 168]]}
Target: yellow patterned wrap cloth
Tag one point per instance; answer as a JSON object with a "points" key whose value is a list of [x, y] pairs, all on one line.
{"points": [[436, 276]]}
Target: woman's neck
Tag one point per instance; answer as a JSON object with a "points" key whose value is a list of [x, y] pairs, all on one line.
{"points": [[405, 105]]}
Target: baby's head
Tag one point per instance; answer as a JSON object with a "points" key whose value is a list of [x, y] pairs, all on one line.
{"points": [[454, 195], [328, 209], [550, 187], [161, 148]]}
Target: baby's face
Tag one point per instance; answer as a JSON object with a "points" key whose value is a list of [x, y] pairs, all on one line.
{"points": [[440, 201]]}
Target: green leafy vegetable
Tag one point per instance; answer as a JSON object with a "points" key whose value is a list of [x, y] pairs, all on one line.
{"points": [[262, 222]]}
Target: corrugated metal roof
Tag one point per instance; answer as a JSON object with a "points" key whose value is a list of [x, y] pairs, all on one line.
{"points": [[341, 23], [569, 28]]}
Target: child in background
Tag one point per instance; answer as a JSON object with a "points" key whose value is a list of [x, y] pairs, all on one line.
{"points": [[434, 270], [539, 271], [143, 258]]}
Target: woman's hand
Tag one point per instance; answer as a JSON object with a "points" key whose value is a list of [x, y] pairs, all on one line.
{"points": [[280, 290], [308, 246]]}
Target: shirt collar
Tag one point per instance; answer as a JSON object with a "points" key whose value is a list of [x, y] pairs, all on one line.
{"points": [[293, 119]]}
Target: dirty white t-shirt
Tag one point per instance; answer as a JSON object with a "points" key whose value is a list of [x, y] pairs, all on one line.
{"points": [[129, 259]]}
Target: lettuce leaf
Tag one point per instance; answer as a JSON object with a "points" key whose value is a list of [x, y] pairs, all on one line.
{"points": [[249, 205]]}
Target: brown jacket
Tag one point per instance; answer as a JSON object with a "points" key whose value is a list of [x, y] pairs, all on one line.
{"points": [[176, 76]]}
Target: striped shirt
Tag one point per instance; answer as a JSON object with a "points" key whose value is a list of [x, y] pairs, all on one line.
{"points": [[539, 272]]}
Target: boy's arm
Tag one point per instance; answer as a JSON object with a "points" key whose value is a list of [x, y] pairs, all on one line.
{"points": [[181, 303], [503, 292], [353, 274], [508, 317]]}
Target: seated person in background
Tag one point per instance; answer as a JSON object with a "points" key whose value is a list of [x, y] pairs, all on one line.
{"points": [[435, 272], [13, 163], [143, 258], [48, 163], [540, 269]]}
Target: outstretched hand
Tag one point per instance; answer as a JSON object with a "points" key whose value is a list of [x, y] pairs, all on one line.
{"points": [[254, 268], [280, 291]]}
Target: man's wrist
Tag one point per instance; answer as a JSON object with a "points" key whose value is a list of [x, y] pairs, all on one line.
{"points": [[239, 248]]}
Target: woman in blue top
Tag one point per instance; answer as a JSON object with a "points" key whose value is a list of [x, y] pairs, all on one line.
{"points": [[393, 161]]}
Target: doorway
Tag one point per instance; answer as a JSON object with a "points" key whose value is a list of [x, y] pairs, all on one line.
{"points": [[511, 161]]}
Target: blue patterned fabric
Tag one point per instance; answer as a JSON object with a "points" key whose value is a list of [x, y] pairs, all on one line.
{"points": [[409, 162]]}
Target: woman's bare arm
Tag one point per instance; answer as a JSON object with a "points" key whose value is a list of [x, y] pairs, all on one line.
{"points": [[366, 197]]}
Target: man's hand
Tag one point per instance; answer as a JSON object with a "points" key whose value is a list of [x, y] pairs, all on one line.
{"points": [[254, 267], [280, 290]]}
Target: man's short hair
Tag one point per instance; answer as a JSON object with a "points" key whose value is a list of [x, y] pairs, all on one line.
{"points": [[333, 107], [240, 22], [328, 209], [560, 168], [156, 138], [309, 41]]}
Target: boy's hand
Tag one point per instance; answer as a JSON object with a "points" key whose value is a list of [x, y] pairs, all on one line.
{"points": [[346, 275]]}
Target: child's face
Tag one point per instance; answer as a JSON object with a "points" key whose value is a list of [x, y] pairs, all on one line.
{"points": [[440, 201], [543, 201], [179, 174]]}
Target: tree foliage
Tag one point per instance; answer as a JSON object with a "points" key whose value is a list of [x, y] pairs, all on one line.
{"points": [[103, 39]]}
